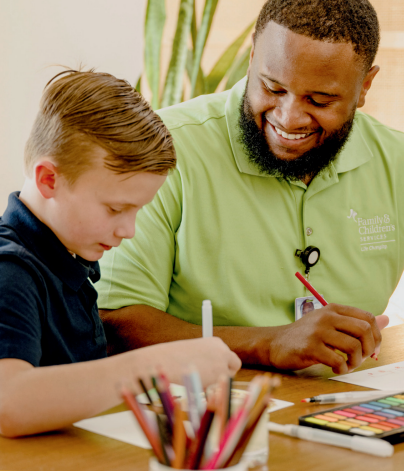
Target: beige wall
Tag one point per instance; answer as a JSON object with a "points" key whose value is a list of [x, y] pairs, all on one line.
{"points": [[34, 34], [386, 97]]}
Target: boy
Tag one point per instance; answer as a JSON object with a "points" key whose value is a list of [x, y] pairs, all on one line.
{"points": [[96, 155]]}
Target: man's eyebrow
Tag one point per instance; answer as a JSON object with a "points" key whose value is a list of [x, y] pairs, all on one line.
{"points": [[332, 95]]}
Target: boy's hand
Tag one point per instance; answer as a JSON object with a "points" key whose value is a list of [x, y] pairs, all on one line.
{"points": [[210, 356]]}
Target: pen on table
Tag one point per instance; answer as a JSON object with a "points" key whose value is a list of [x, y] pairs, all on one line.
{"points": [[353, 396], [373, 446], [318, 296], [207, 319]]}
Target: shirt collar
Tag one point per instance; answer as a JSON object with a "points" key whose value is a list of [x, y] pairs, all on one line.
{"points": [[355, 152], [39, 239]]}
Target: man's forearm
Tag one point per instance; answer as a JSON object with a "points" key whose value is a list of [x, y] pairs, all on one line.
{"points": [[140, 326]]}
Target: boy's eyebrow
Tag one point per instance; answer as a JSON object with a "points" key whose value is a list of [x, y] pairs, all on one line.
{"points": [[332, 95], [123, 204]]}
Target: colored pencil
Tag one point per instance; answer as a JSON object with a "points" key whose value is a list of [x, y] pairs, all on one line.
{"points": [[311, 289], [198, 445], [193, 412], [247, 434], [134, 406], [235, 427], [164, 379], [144, 389], [165, 401], [179, 438], [229, 399], [168, 437]]}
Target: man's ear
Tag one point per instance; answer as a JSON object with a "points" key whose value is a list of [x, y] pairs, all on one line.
{"points": [[251, 53], [46, 175], [366, 84]]}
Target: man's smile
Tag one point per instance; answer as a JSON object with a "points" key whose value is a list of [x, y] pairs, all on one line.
{"points": [[294, 141], [291, 136]]}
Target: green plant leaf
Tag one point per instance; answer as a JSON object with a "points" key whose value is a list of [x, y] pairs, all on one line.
{"points": [[194, 28], [239, 70], [225, 62], [154, 26], [139, 83], [175, 76], [200, 82], [203, 33]]}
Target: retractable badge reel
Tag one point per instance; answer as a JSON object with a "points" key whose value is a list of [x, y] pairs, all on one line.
{"points": [[309, 256]]}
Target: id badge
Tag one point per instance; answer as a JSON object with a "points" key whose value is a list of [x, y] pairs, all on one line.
{"points": [[305, 305]]}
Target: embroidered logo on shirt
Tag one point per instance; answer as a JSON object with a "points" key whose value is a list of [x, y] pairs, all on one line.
{"points": [[353, 215], [374, 232]]}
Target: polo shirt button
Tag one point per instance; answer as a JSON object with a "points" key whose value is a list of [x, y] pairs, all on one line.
{"points": [[309, 231]]}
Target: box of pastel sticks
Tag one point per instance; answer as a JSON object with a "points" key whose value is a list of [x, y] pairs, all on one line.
{"points": [[379, 418]]}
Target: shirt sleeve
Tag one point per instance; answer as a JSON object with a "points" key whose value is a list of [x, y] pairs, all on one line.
{"points": [[140, 270], [20, 311]]}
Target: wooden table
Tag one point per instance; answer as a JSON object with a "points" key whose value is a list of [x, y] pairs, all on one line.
{"points": [[78, 450]]}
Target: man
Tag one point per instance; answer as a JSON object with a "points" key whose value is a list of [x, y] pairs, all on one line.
{"points": [[280, 162]]}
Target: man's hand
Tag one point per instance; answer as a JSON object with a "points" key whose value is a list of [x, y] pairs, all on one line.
{"points": [[316, 337]]}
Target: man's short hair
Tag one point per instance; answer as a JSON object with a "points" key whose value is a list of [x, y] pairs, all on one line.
{"points": [[82, 111], [335, 21]]}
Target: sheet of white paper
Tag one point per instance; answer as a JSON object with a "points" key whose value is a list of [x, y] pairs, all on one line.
{"points": [[121, 426], [277, 404], [385, 378]]}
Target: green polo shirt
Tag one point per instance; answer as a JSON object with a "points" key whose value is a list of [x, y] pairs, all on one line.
{"points": [[220, 230]]}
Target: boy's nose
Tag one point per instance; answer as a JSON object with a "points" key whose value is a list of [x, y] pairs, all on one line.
{"points": [[126, 230]]}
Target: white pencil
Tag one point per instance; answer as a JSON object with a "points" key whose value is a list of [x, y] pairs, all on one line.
{"points": [[207, 319]]}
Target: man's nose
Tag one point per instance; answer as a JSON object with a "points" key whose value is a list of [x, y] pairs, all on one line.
{"points": [[292, 114]]}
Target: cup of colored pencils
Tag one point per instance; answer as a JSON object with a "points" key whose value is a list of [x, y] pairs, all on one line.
{"points": [[218, 427]]}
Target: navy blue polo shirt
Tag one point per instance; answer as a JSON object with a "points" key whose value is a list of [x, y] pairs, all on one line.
{"points": [[48, 306]]}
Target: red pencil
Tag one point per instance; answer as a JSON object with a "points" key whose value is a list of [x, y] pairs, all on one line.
{"points": [[134, 406], [198, 444], [311, 289]]}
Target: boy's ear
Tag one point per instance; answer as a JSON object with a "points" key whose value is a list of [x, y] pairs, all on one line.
{"points": [[46, 175]]}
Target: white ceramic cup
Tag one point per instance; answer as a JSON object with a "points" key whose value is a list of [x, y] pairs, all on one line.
{"points": [[155, 465]]}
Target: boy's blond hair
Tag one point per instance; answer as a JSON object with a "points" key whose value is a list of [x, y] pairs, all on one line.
{"points": [[85, 110]]}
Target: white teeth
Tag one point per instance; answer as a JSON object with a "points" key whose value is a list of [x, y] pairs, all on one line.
{"points": [[290, 136]]}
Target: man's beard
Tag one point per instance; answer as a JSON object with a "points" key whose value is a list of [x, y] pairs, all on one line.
{"points": [[309, 164]]}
